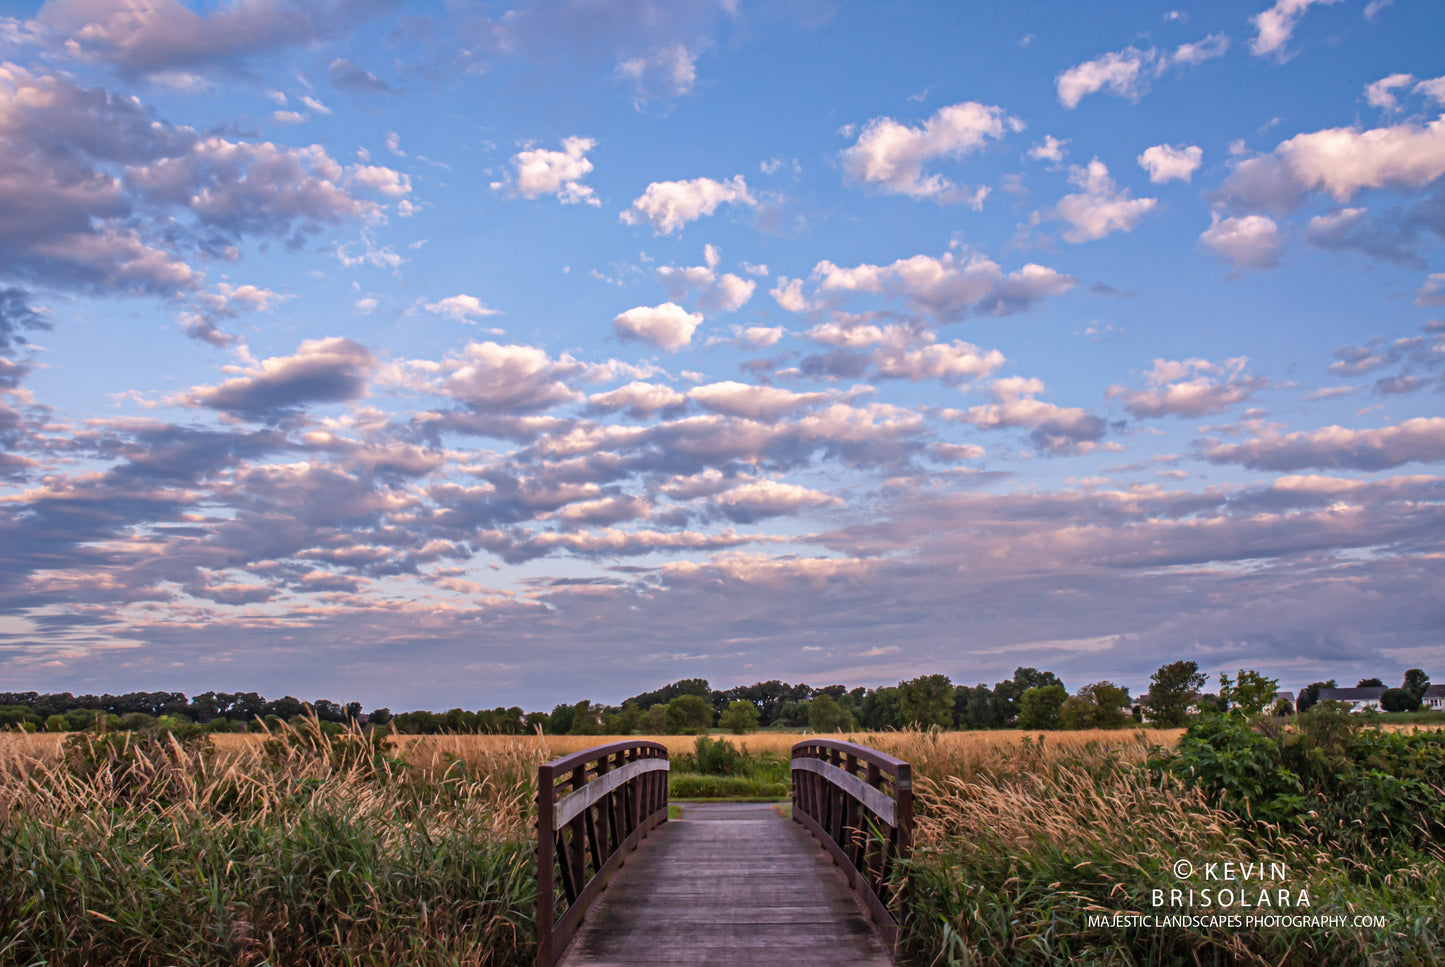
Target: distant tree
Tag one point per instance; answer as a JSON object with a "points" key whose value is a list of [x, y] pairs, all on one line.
{"points": [[1171, 692], [688, 713], [1370, 683], [535, 721], [1416, 682], [1039, 707], [1099, 705], [795, 714], [741, 717], [1004, 702], [1399, 700], [586, 719], [880, 710], [353, 712], [560, 721], [926, 700], [974, 707], [1310, 695], [825, 714], [654, 720], [379, 716], [56, 723], [1250, 691]]}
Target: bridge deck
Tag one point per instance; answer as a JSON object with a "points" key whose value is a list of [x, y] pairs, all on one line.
{"points": [[727, 885]]}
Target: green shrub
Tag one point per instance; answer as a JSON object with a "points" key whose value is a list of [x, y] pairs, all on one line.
{"points": [[1357, 787]]}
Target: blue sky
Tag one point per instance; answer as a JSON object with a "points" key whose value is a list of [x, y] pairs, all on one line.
{"points": [[474, 354]]}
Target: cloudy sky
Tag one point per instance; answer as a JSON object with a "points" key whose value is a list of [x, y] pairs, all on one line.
{"points": [[473, 353]]}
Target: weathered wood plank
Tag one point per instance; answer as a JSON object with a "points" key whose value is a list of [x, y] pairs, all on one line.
{"points": [[727, 892], [877, 802], [574, 802]]}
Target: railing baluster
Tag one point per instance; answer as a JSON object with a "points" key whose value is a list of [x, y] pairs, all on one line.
{"points": [[614, 795], [842, 809]]}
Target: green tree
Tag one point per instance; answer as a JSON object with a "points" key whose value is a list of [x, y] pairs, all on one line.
{"points": [[1039, 707], [1004, 702], [926, 700], [826, 715], [1399, 700], [741, 717], [560, 721], [1416, 681], [974, 707], [688, 713], [880, 710], [1171, 692], [1310, 695], [1250, 691], [1099, 705]]}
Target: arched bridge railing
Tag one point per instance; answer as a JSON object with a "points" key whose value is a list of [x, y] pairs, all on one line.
{"points": [[593, 807], [858, 803]]}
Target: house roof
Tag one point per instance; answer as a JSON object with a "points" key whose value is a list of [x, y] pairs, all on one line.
{"points": [[1435, 691], [1351, 694]]}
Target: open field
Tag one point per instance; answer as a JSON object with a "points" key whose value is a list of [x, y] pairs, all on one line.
{"points": [[343, 852]]}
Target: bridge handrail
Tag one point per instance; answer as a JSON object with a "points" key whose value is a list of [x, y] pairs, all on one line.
{"points": [[834, 782], [593, 807]]}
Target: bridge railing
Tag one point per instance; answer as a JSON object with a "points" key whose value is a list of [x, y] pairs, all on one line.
{"points": [[858, 802], [593, 807]]}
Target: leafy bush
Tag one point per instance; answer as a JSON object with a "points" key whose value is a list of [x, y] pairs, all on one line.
{"points": [[1354, 785]]}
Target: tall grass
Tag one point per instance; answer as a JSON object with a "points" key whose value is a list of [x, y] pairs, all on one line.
{"points": [[143, 850], [1017, 848]]}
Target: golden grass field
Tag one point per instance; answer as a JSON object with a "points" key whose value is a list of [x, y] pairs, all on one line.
{"points": [[973, 748]]}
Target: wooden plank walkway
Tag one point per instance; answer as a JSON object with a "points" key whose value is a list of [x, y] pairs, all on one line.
{"points": [[728, 885]]}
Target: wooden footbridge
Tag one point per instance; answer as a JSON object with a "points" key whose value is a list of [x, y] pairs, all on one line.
{"points": [[618, 884]]}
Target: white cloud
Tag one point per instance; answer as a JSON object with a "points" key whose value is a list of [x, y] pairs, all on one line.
{"points": [[752, 402], [462, 308], [768, 498], [1380, 93], [1275, 26], [393, 144], [288, 117], [1165, 162], [1056, 429], [1432, 293], [945, 287], [1212, 46], [761, 337], [1050, 149], [1101, 208], [668, 326], [381, 180], [641, 400], [668, 72], [892, 156], [560, 173], [1249, 241], [788, 293], [669, 205], [316, 105], [716, 293], [1129, 72], [1126, 73], [1340, 162], [366, 306], [1190, 387], [1434, 89]]}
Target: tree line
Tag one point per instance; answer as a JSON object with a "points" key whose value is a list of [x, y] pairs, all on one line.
{"points": [[1030, 699]]}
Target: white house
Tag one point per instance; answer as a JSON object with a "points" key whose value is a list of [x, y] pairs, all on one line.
{"points": [[1358, 699], [1434, 699]]}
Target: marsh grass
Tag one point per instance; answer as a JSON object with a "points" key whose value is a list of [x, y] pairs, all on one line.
{"points": [[299, 850], [1017, 846]]}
